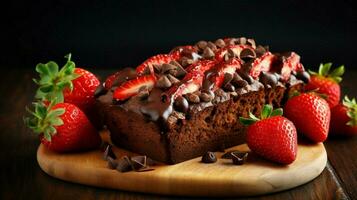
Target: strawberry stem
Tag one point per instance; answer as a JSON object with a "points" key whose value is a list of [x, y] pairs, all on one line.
{"points": [[324, 71], [266, 113], [43, 119], [351, 106], [52, 80]]}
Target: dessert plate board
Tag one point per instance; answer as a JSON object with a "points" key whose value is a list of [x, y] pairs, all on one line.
{"points": [[189, 178]]}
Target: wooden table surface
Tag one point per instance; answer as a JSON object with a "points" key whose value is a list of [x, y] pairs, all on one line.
{"points": [[21, 177]]}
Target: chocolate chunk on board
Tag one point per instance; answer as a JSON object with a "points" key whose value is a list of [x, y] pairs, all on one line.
{"points": [[209, 157]]}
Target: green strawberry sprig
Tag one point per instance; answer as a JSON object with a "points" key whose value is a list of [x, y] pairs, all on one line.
{"points": [[324, 70], [52, 80], [352, 110], [266, 113], [44, 119]]}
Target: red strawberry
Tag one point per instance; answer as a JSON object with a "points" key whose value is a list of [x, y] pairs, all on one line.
{"points": [[63, 127], [154, 60], [327, 83], [262, 64], [82, 94], [70, 84], [131, 87], [273, 137], [193, 79], [344, 118], [310, 114]]}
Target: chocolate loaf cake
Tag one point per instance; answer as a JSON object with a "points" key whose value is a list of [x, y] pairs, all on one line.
{"points": [[177, 106]]}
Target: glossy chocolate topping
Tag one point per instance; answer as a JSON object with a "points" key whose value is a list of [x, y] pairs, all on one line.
{"points": [[204, 86]]}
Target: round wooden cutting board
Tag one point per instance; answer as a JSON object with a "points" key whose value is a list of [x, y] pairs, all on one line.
{"points": [[191, 178]]}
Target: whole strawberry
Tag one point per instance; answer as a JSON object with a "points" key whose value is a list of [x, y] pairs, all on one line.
{"points": [[327, 83], [63, 127], [311, 115], [69, 84], [273, 137], [344, 118]]}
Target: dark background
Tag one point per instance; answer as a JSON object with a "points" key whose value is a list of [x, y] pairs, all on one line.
{"points": [[113, 34]]}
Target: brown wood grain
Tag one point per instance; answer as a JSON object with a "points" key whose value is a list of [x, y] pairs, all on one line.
{"points": [[21, 177]]}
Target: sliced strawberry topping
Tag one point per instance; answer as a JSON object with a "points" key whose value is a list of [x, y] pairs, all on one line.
{"points": [[193, 79], [262, 64], [291, 63], [223, 68], [119, 77], [110, 80], [154, 60], [237, 49], [131, 87]]}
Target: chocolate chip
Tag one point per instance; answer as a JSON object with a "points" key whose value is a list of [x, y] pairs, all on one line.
{"points": [[124, 164], [304, 76], [242, 40], [193, 98], [166, 67], [179, 72], [268, 79], [251, 42], [208, 53], [163, 82], [202, 44], [246, 76], [220, 43], [239, 158], [112, 163], [209, 157], [238, 81], [138, 162], [186, 61], [233, 41], [181, 104], [236, 77], [231, 53], [260, 50], [172, 79], [228, 77], [109, 153], [241, 83], [247, 54], [174, 62], [212, 46], [206, 97], [99, 91], [157, 68], [229, 87]]}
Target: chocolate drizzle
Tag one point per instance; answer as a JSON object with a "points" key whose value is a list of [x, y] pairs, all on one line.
{"points": [[157, 107]]}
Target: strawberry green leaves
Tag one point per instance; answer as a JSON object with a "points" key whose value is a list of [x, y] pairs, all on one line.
{"points": [[266, 113], [352, 110], [43, 120], [324, 70], [52, 81]]}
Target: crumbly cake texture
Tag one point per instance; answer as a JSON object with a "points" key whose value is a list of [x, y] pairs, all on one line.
{"points": [[177, 106]]}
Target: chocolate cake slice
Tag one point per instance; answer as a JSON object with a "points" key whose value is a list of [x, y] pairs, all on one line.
{"points": [[177, 106]]}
